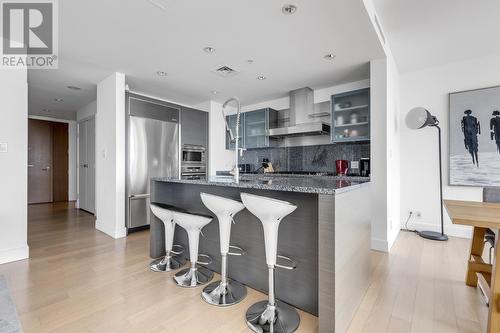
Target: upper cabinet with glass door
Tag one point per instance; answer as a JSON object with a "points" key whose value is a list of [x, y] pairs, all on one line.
{"points": [[351, 116], [254, 126], [257, 125]]}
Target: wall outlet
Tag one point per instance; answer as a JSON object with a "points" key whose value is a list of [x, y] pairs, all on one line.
{"points": [[415, 213], [4, 147]]}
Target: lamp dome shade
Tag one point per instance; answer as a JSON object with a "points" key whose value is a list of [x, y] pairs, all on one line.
{"points": [[418, 118]]}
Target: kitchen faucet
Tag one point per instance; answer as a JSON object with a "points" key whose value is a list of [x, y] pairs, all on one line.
{"points": [[234, 138]]}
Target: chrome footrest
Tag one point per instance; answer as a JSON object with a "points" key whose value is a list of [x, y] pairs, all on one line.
{"points": [[293, 263], [237, 248], [179, 249], [208, 262]]}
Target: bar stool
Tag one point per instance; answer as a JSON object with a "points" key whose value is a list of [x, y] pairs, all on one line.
{"points": [[171, 260], [224, 292], [271, 315], [195, 275]]}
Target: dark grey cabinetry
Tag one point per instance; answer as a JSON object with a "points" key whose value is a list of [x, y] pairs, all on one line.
{"points": [[254, 126], [194, 127]]}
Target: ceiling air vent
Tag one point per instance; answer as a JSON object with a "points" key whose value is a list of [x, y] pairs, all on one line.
{"points": [[226, 71]]}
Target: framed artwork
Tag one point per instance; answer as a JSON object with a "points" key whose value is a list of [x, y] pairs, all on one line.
{"points": [[474, 143]]}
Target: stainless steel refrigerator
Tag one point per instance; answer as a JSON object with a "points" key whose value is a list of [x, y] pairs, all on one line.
{"points": [[152, 151]]}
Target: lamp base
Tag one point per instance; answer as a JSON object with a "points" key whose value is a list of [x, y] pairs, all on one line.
{"points": [[432, 235]]}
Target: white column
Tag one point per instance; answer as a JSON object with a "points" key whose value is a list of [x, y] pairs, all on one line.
{"points": [[378, 133], [385, 156], [13, 165], [219, 158], [110, 156]]}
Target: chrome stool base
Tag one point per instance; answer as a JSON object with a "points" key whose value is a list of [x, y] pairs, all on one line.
{"points": [[216, 294], [167, 264], [193, 277], [282, 318]]}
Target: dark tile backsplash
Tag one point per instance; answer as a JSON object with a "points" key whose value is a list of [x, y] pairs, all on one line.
{"points": [[308, 158]]}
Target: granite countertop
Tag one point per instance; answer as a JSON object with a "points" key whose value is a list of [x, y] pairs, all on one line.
{"points": [[315, 184]]}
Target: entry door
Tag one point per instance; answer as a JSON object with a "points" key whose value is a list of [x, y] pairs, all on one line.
{"points": [[86, 165], [39, 161]]}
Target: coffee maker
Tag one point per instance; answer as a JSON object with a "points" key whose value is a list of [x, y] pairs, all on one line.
{"points": [[364, 167]]}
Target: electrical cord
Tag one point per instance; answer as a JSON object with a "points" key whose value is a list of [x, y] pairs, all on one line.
{"points": [[410, 215]]}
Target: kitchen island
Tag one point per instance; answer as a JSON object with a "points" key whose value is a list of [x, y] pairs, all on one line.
{"points": [[328, 236]]}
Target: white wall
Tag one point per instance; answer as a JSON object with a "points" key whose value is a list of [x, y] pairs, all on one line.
{"points": [[110, 156], [419, 151], [87, 111], [13, 165], [72, 154]]}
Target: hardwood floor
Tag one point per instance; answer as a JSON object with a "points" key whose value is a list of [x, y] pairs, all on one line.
{"points": [[420, 288], [80, 280]]}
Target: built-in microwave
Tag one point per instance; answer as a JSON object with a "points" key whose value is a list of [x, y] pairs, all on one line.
{"points": [[193, 154]]}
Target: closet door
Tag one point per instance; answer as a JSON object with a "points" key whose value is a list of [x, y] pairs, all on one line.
{"points": [[91, 165], [39, 161], [86, 165], [82, 165]]}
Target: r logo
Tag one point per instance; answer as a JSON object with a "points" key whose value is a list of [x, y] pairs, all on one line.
{"points": [[27, 27]]}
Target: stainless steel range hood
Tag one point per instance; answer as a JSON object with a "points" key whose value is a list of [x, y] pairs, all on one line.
{"points": [[301, 113]]}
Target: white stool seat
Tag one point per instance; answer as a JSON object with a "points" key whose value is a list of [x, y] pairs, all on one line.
{"points": [[169, 262], [270, 212], [224, 292], [194, 276], [224, 209], [271, 315]]}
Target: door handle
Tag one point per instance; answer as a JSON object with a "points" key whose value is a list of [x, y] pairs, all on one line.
{"points": [[46, 168]]}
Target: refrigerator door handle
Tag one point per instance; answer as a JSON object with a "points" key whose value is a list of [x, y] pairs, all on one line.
{"points": [[138, 196]]}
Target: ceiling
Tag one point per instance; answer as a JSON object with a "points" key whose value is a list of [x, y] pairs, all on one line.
{"points": [[139, 38], [427, 33]]}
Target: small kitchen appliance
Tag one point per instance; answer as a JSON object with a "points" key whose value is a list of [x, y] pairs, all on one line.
{"points": [[342, 166], [364, 167]]}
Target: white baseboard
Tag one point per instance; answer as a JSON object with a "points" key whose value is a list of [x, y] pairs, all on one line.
{"points": [[381, 245], [122, 232], [451, 230], [9, 255]]}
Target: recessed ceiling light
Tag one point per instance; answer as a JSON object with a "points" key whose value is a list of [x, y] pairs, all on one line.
{"points": [[209, 49], [58, 99], [329, 56], [74, 88], [289, 9], [261, 77], [161, 73], [214, 92]]}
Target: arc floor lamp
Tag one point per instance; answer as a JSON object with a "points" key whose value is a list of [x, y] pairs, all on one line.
{"points": [[419, 118]]}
